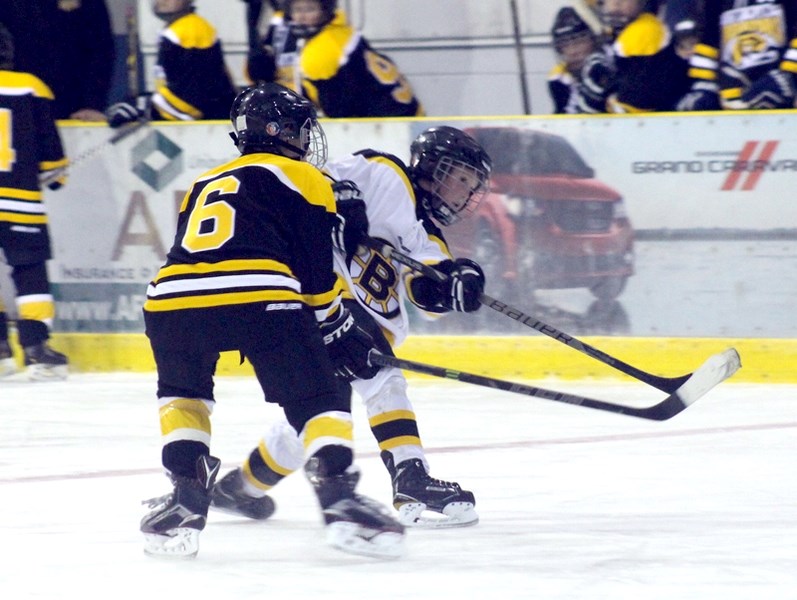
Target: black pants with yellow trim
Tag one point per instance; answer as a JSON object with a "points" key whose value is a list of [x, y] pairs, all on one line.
{"points": [[284, 347]]}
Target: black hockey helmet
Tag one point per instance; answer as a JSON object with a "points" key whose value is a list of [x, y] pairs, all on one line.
{"points": [[450, 172], [568, 26], [6, 48], [271, 118], [328, 8]]}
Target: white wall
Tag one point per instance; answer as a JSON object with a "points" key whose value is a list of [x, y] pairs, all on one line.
{"points": [[459, 55]]}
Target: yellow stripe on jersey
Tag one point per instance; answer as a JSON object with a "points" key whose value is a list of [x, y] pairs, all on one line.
{"points": [[17, 194], [25, 219], [177, 103], [49, 165], [191, 31], [13, 83], [266, 265], [645, 36], [222, 299]]}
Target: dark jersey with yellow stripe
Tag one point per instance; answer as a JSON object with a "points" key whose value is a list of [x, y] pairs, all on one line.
{"points": [[743, 40], [191, 79], [649, 75], [344, 76], [257, 229], [29, 146]]}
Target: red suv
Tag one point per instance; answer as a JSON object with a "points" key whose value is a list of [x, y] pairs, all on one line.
{"points": [[547, 222]]}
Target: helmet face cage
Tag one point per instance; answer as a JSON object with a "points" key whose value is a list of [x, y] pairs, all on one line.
{"points": [[457, 189]]}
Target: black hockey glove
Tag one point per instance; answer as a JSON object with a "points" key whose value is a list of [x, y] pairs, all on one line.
{"points": [[348, 345], [597, 81], [352, 222], [773, 90], [465, 283], [122, 113], [703, 96]]}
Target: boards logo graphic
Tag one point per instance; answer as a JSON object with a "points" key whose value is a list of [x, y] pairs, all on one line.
{"points": [[742, 170], [750, 165]]}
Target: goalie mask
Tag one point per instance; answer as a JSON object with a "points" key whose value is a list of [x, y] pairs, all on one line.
{"points": [[271, 118], [450, 173]]}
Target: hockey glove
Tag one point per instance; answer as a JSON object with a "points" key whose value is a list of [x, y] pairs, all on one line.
{"points": [[122, 113], [352, 222], [773, 90], [703, 96], [465, 283], [597, 76], [348, 345]]}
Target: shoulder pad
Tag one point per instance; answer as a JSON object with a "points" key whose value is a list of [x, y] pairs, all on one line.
{"points": [[645, 36], [191, 31]]}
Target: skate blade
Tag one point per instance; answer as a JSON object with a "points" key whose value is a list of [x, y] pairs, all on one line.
{"points": [[46, 372], [454, 514], [356, 539], [182, 542]]}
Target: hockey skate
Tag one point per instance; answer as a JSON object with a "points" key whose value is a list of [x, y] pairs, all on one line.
{"points": [[228, 496], [423, 501], [45, 364], [354, 523], [172, 528], [8, 366]]}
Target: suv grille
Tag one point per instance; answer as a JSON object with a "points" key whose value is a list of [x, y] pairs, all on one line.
{"points": [[578, 216]]}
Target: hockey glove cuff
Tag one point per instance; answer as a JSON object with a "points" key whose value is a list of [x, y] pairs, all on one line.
{"points": [[122, 113], [703, 96], [776, 89], [349, 345]]}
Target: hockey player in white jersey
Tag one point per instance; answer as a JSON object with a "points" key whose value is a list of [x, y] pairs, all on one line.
{"points": [[379, 195]]}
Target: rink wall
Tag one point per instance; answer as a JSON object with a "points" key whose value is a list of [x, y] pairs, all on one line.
{"points": [[710, 199]]}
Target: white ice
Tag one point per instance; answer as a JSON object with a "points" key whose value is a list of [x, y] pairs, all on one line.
{"points": [[574, 503]]}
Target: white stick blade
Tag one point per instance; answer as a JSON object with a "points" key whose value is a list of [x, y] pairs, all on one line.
{"points": [[711, 373]]}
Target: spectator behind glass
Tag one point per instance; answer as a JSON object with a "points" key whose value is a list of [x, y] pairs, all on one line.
{"points": [[650, 76], [313, 48], [191, 79], [747, 58], [69, 45], [582, 79], [32, 149]]}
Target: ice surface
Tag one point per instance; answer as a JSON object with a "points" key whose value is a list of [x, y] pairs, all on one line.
{"points": [[574, 503]]}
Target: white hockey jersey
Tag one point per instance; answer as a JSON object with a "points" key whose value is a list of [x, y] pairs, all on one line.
{"points": [[377, 283]]}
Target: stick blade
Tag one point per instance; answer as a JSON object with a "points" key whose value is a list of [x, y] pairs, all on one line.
{"points": [[711, 373]]}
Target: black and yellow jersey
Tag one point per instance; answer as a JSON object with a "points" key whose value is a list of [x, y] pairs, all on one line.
{"points": [[649, 76], [345, 77], [742, 41], [257, 229], [191, 79], [29, 147]]}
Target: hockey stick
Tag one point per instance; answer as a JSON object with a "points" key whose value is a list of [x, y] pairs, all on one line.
{"points": [[714, 371], [665, 384], [121, 133], [253, 10]]}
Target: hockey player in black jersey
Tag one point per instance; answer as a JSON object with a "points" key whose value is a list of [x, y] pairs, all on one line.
{"points": [[584, 76], [191, 79], [747, 57], [403, 205], [30, 147], [311, 48], [251, 270]]}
